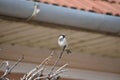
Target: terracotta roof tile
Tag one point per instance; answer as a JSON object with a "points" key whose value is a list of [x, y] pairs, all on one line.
{"points": [[109, 7]]}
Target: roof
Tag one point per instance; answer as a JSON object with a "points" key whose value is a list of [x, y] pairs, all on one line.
{"points": [[108, 7]]}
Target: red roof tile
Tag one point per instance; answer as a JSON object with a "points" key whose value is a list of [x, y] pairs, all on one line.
{"points": [[109, 7]]}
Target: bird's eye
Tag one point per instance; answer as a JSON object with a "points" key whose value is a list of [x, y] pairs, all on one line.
{"points": [[63, 36]]}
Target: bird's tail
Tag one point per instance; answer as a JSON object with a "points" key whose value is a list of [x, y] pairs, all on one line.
{"points": [[68, 51]]}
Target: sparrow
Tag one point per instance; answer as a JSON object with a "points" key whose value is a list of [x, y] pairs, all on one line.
{"points": [[62, 42]]}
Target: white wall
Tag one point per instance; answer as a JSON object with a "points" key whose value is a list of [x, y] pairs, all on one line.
{"points": [[71, 73]]}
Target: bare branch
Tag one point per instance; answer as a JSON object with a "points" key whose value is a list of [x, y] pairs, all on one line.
{"points": [[61, 68], [59, 57], [16, 63], [61, 71], [36, 69], [9, 69]]}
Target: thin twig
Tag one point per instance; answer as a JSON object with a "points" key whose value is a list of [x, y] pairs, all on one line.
{"points": [[28, 74], [2, 63], [59, 57], [33, 71], [47, 59], [6, 70], [10, 69], [61, 71], [61, 68], [16, 63]]}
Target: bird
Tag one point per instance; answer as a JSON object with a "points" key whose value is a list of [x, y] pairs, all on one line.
{"points": [[62, 42]]}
